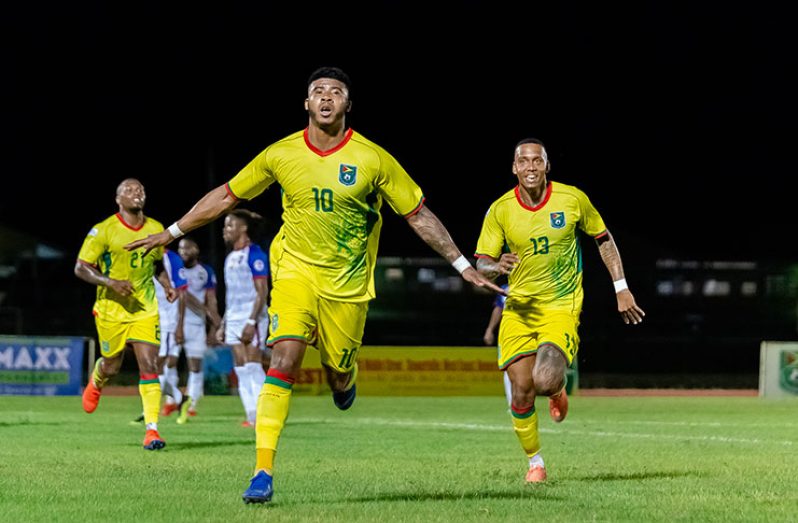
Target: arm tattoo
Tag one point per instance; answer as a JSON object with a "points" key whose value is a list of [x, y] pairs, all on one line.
{"points": [[611, 256], [432, 231], [488, 268]]}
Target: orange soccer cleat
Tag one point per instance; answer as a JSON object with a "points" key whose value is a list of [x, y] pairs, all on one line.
{"points": [[536, 474], [153, 440], [91, 396], [558, 406], [169, 408]]}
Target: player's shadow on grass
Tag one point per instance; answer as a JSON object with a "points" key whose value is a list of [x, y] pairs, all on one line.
{"points": [[521, 493], [192, 445], [22, 423], [636, 476]]}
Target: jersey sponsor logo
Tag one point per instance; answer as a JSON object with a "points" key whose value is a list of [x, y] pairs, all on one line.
{"points": [[347, 174], [557, 220], [93, 231], [259, 265]]}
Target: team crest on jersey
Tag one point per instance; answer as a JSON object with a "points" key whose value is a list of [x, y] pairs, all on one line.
{"points": [[275, 322], [557, 220], [259, 265], [347, 174]]}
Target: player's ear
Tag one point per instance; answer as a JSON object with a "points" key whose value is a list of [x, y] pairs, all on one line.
{"points": [[548, 166], [348, 105], [306, 104]]}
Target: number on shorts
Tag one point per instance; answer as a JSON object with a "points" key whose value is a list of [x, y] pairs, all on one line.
{"points": [[348, 358]]}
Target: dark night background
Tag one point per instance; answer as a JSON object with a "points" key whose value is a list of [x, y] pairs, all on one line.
{"points": [[678, 120]]}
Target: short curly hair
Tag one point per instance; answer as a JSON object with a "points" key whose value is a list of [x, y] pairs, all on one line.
{"points": [[336, 73]]}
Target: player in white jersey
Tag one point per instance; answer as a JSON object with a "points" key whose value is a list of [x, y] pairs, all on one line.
{"points": [[170, 318], [246, 322], [201, 286]]}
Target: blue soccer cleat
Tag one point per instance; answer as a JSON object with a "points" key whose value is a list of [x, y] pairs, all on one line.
{"points": [[344, 400], [260, 489]]}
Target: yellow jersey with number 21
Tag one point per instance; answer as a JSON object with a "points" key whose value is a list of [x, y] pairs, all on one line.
{"points": [[104, 248]]}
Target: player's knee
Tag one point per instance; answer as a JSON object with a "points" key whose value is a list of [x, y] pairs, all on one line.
{"points": [[549, 380]]}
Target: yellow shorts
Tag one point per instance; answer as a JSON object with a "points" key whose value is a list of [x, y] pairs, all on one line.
{"points": [[522, 332], [114, 334], [335, 328]]}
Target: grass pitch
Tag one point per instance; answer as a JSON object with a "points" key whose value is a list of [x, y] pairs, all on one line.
{"points": [[405, 459]]}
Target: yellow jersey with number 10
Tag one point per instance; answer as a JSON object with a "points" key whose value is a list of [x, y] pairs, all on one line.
{"points": [[331, 209]]}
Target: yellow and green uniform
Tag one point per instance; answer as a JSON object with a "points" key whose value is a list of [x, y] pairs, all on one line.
{"points": [[122, 318], [326, 249], [545, 287], [323, 257]]}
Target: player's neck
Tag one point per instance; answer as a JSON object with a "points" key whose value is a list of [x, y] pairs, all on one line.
{"points": [[132, 218], [241, 243], [534, 196], [327, 137]]}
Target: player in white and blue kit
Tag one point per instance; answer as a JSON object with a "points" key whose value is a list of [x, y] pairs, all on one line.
{"points": [[245, 324], [170, 319], [201, 287]]}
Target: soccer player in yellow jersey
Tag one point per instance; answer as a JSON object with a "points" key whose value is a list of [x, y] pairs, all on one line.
{"points": [[126, 308], [334, 182], [530, 235]]}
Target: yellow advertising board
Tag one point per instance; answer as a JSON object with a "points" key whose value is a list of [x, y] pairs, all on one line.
{"points": [[413, 371]]}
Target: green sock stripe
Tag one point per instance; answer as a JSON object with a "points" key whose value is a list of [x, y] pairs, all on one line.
{"points": [[277, 382], [523, 415], [147, 382]]}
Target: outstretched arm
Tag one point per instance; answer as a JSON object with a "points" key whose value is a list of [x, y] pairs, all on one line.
{"points": [[630, 312], [434, 234], [208, 208]]}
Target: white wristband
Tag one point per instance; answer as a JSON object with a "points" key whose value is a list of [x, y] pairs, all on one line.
{"points": [[250, 321], [620, 285], [175, 231], [461, 264]]}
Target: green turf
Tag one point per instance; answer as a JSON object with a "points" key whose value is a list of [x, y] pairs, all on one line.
{"points": [[406, 459]]}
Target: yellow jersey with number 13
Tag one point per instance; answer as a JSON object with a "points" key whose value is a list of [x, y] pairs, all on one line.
{"points": [[549, 273]]}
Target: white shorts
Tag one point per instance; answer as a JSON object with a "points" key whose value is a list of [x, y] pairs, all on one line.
{"points": [[234, 328], [168, 345], [196, 341]]}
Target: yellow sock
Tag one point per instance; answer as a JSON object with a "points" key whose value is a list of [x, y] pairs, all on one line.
{"points": [[525, 423], [96, 376], [273, 402], [150, 391]]}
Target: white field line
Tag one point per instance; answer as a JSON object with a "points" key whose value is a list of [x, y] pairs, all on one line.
{"points": [[564, 431]]}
